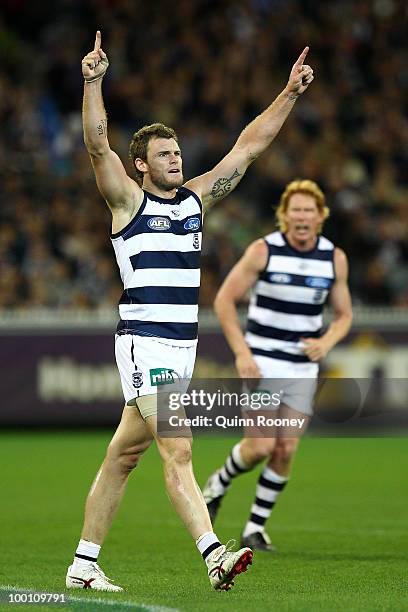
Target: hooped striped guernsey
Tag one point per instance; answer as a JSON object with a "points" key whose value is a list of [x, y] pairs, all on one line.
{"points": [[158, 255], [287, 301]]}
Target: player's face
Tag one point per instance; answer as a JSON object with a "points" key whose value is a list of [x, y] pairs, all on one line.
{"points": [[164, 162], [303, 218]]}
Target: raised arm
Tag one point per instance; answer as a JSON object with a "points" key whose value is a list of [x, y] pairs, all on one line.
{"points": [[122, 194], [242, 276], [254, 139], [340, 300]]}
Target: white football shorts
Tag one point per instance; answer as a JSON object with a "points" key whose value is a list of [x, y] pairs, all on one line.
{"points": [[147, 365], [296, 383]]}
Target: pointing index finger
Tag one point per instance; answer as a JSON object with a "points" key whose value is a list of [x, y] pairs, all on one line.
{"points": [[302, 57], [98, 38]]}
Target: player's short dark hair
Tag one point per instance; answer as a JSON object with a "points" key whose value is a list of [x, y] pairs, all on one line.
{"points": [[141, 139]]}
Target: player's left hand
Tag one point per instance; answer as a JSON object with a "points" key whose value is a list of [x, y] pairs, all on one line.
{"points": [[300, 76], [315, 348]]}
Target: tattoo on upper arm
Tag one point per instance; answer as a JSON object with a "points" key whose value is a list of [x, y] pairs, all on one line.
{"points": [[101, 127], [223, 185]]}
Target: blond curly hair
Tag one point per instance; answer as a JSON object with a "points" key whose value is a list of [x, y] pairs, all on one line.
{"points": [[301, 186]]}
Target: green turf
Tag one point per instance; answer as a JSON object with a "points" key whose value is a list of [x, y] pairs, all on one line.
{"points": [[340, 527]]}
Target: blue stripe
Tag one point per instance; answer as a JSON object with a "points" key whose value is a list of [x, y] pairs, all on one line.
{"points": [[171, 331], [281, 355], [295, 308], [176, 226], [161, 295], [294, 280], [166, 259], [279, 334]]}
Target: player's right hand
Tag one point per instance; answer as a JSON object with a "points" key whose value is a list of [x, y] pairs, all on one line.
{"points": [[95, 64], [246, 366]]}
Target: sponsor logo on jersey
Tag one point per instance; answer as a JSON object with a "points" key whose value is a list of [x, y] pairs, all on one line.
{"points": [[317, 282], [161, 376], [159, 223], [192, 224], [196, 241], [137, 379], [279, 277]]}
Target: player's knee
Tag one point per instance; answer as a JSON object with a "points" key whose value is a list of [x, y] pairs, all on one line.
{"points": [[179, 453], [285, 450], [260, 449], [124, 459], [127, 462]]}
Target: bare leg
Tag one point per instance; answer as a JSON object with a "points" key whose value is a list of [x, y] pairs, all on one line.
{"points": [[181, 484], [130, 440], [282, 457], [255, 450], [281, 460]]}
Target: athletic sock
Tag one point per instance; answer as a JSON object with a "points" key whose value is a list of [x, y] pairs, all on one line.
{"points": [[270, 484], [234, 466], [86, 553], [207, 543]]}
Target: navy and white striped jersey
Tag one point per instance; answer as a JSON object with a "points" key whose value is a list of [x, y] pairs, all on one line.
{"points": [[158, 255], [287, 301]]}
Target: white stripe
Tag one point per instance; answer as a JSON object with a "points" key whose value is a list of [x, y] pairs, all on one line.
{"points": [[275, 238], [224, 474], [160, 242], [165, 277], [324, 244], [281, 320], [185, 209], [90, 601], [268, 495], [298, 265], [263, 512], [289, 293], [230, 466], [160, 313], [270, 344], [122, 258]]}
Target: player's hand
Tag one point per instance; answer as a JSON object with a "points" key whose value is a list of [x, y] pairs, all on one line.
{"points": [[315, 348], [246, 366], [300, 76], [95, 64]]}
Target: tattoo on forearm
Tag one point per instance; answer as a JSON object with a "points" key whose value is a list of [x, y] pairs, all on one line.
{"points": [[101, 127], [223, 185]]}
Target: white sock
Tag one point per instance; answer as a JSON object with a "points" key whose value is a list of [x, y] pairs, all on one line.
{"points": [[86, 553], [270, 485], [234, 466], [207, 543]]}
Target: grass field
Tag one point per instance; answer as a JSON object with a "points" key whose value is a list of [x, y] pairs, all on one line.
{"points": [[340, 527]]}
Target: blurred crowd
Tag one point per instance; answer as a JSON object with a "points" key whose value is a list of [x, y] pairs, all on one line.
{"points": [[205, 68]]}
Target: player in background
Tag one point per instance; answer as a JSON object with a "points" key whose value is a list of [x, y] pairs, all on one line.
{"points": [[292, 272], [156, 235]]}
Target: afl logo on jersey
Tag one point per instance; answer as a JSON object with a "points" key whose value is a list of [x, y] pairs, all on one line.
{"points": [[159, 223], [278, 277], [318, 283], [192, 224]]}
